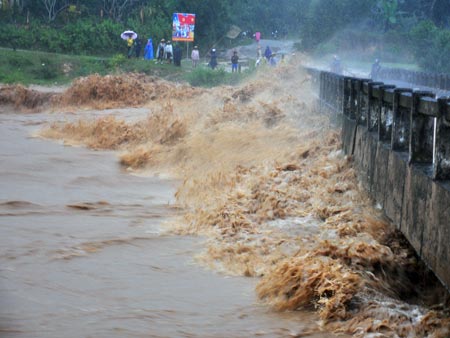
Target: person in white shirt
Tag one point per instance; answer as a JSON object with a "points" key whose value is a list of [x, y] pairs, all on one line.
{"points": [[161, 51], [195, 56], [169, 52]]}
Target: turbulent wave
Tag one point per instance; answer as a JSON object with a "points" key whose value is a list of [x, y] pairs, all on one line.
{"points": [[254, 161], [25, 99]]}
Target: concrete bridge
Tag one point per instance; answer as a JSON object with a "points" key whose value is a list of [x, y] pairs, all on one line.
{"points": [[400, 142]]}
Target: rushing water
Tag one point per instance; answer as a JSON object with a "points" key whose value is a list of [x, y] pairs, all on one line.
{"points": [[83, 252]]}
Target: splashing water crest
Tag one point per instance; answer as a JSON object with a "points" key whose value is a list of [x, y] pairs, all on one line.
{"points": [[263, 178]]}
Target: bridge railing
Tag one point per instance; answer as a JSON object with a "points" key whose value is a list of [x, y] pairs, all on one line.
{"points": [[416, 78], [400, 142], [407, 120]]}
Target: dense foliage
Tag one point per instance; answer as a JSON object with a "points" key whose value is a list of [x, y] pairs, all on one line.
{"points": [[383, 27], [431, 47]]}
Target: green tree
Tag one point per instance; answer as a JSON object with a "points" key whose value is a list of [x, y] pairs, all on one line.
{"points": [[431, 46]]}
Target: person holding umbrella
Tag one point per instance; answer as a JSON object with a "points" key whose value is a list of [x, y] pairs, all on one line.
{"points": [[129, 36], [130, 43]]}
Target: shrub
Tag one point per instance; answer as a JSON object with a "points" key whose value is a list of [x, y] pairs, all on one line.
{"points": [[19, 61], [205, 77], [47, 71], [117, 60]]}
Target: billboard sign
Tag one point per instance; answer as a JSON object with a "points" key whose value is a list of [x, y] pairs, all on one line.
{"points": [[183, 27]]}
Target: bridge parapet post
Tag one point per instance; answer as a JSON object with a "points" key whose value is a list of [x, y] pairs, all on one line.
{"points": [[329, 88], [346, 97], [441, 169], [340, 99], [364, 102], [325, 97], [384, 116], [328, 94], [422, 128], [373, 93], [361, 101], [322, 85], [401, 108], [338, 92], [350, 96]]}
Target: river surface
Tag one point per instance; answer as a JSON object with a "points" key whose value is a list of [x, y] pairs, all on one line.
{"points": [[84, 252]]}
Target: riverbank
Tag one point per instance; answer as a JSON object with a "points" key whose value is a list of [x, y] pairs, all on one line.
{"points": [[51, 69]]}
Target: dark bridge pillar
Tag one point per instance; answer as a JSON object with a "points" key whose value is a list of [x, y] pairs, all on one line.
{"points": [[422, 129], [384, 117], [400, 121], [361, 103], [350, 97], [441, 170], [373, 92]]}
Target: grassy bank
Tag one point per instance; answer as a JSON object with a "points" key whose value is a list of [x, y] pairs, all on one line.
{"points": [[30, 67]]}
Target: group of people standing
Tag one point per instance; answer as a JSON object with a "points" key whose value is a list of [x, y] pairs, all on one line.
{"points": [[234, 60], [269, 57], [167, 53], [134, 47]]}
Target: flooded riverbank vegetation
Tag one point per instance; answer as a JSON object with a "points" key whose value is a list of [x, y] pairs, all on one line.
{"points": [[263, 178]]}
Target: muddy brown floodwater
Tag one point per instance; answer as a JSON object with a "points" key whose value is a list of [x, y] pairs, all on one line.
{"points": [[83, 252], [137, 207]]}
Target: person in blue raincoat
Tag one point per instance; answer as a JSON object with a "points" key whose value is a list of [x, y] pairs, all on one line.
{"points": [[268, 53], [148, 50]]}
